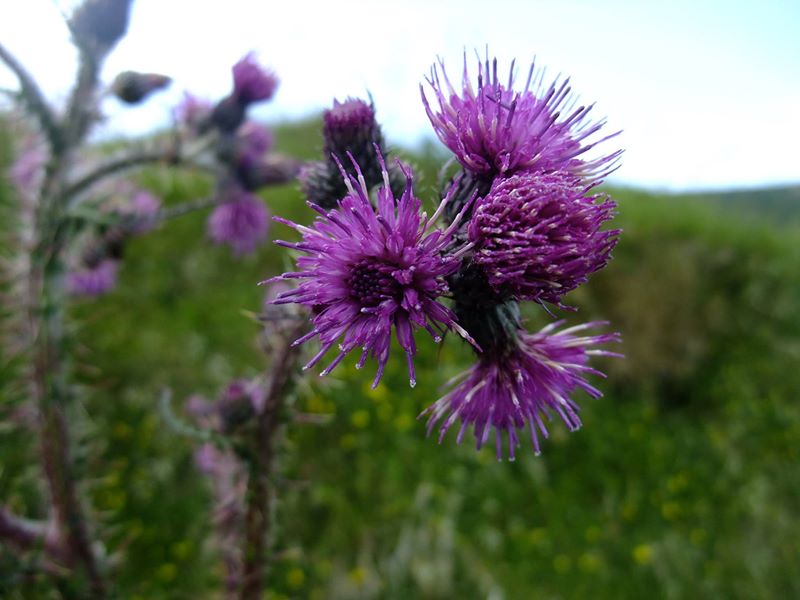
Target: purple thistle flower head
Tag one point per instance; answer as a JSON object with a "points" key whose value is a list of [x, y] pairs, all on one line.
{"points": [[522, 387], [537, 235], [241, 222], [192, 110], [93, 281], [251, 82], [142, 210], [369, 271], [27, 171], [348, 125], [250, 146], [498, 131], [254, 140], [144, 204]]}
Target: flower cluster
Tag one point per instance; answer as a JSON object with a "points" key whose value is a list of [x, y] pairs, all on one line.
{"points": [[523, 224], [94, 271], [243, 152]]}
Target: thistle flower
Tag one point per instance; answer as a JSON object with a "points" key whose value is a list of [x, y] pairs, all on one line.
{"points": [[500, 131], [249, 161], [251, 82], [366, 273], [350, 126], [143, 204], [537, 236], [347, 127], [142, 210], [27, 171], [192, 111], [241, 222], [93, 281], [521, 387], [254, 140]]}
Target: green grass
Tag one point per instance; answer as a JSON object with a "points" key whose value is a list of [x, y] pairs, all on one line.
{"points": [[682, 483]]}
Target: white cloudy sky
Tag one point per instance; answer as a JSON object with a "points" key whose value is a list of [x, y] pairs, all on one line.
{"points": [[706, 91]]}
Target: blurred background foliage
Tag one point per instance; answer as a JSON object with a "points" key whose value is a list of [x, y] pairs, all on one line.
{"points": [[683, 483]]}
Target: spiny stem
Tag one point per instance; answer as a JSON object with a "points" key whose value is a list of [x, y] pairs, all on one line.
{"points": [[34, 99], [259, 495], [169, 155], [52, 394], [184, 208], [82, 103]]}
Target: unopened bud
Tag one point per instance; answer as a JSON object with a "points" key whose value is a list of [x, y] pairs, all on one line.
{"points": [[350, 126], [99, 24], [321, 184], [228, 114], [272, 170], [131, 87], [235, 406]]}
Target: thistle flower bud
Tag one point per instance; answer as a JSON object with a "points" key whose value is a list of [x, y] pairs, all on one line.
{"points": [[320, 185], [254, 140], [132, 87], [350, 126], [228, 114], [99, 24], [235, 406], [192, 111], [245, 151], [268, 171]]}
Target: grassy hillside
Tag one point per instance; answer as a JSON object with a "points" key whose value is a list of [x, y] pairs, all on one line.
{"points": [[682, 483], [781, 204]]}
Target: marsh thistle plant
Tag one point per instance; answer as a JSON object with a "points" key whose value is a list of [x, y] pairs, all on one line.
{"points": [[520, 221]]}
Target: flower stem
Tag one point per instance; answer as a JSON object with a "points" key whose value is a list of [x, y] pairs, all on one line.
{"points": [[258, 499], [34, 99], [52, 395]]}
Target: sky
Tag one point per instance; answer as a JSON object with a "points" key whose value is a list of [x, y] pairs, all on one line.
{"points": [[707, 92]]}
